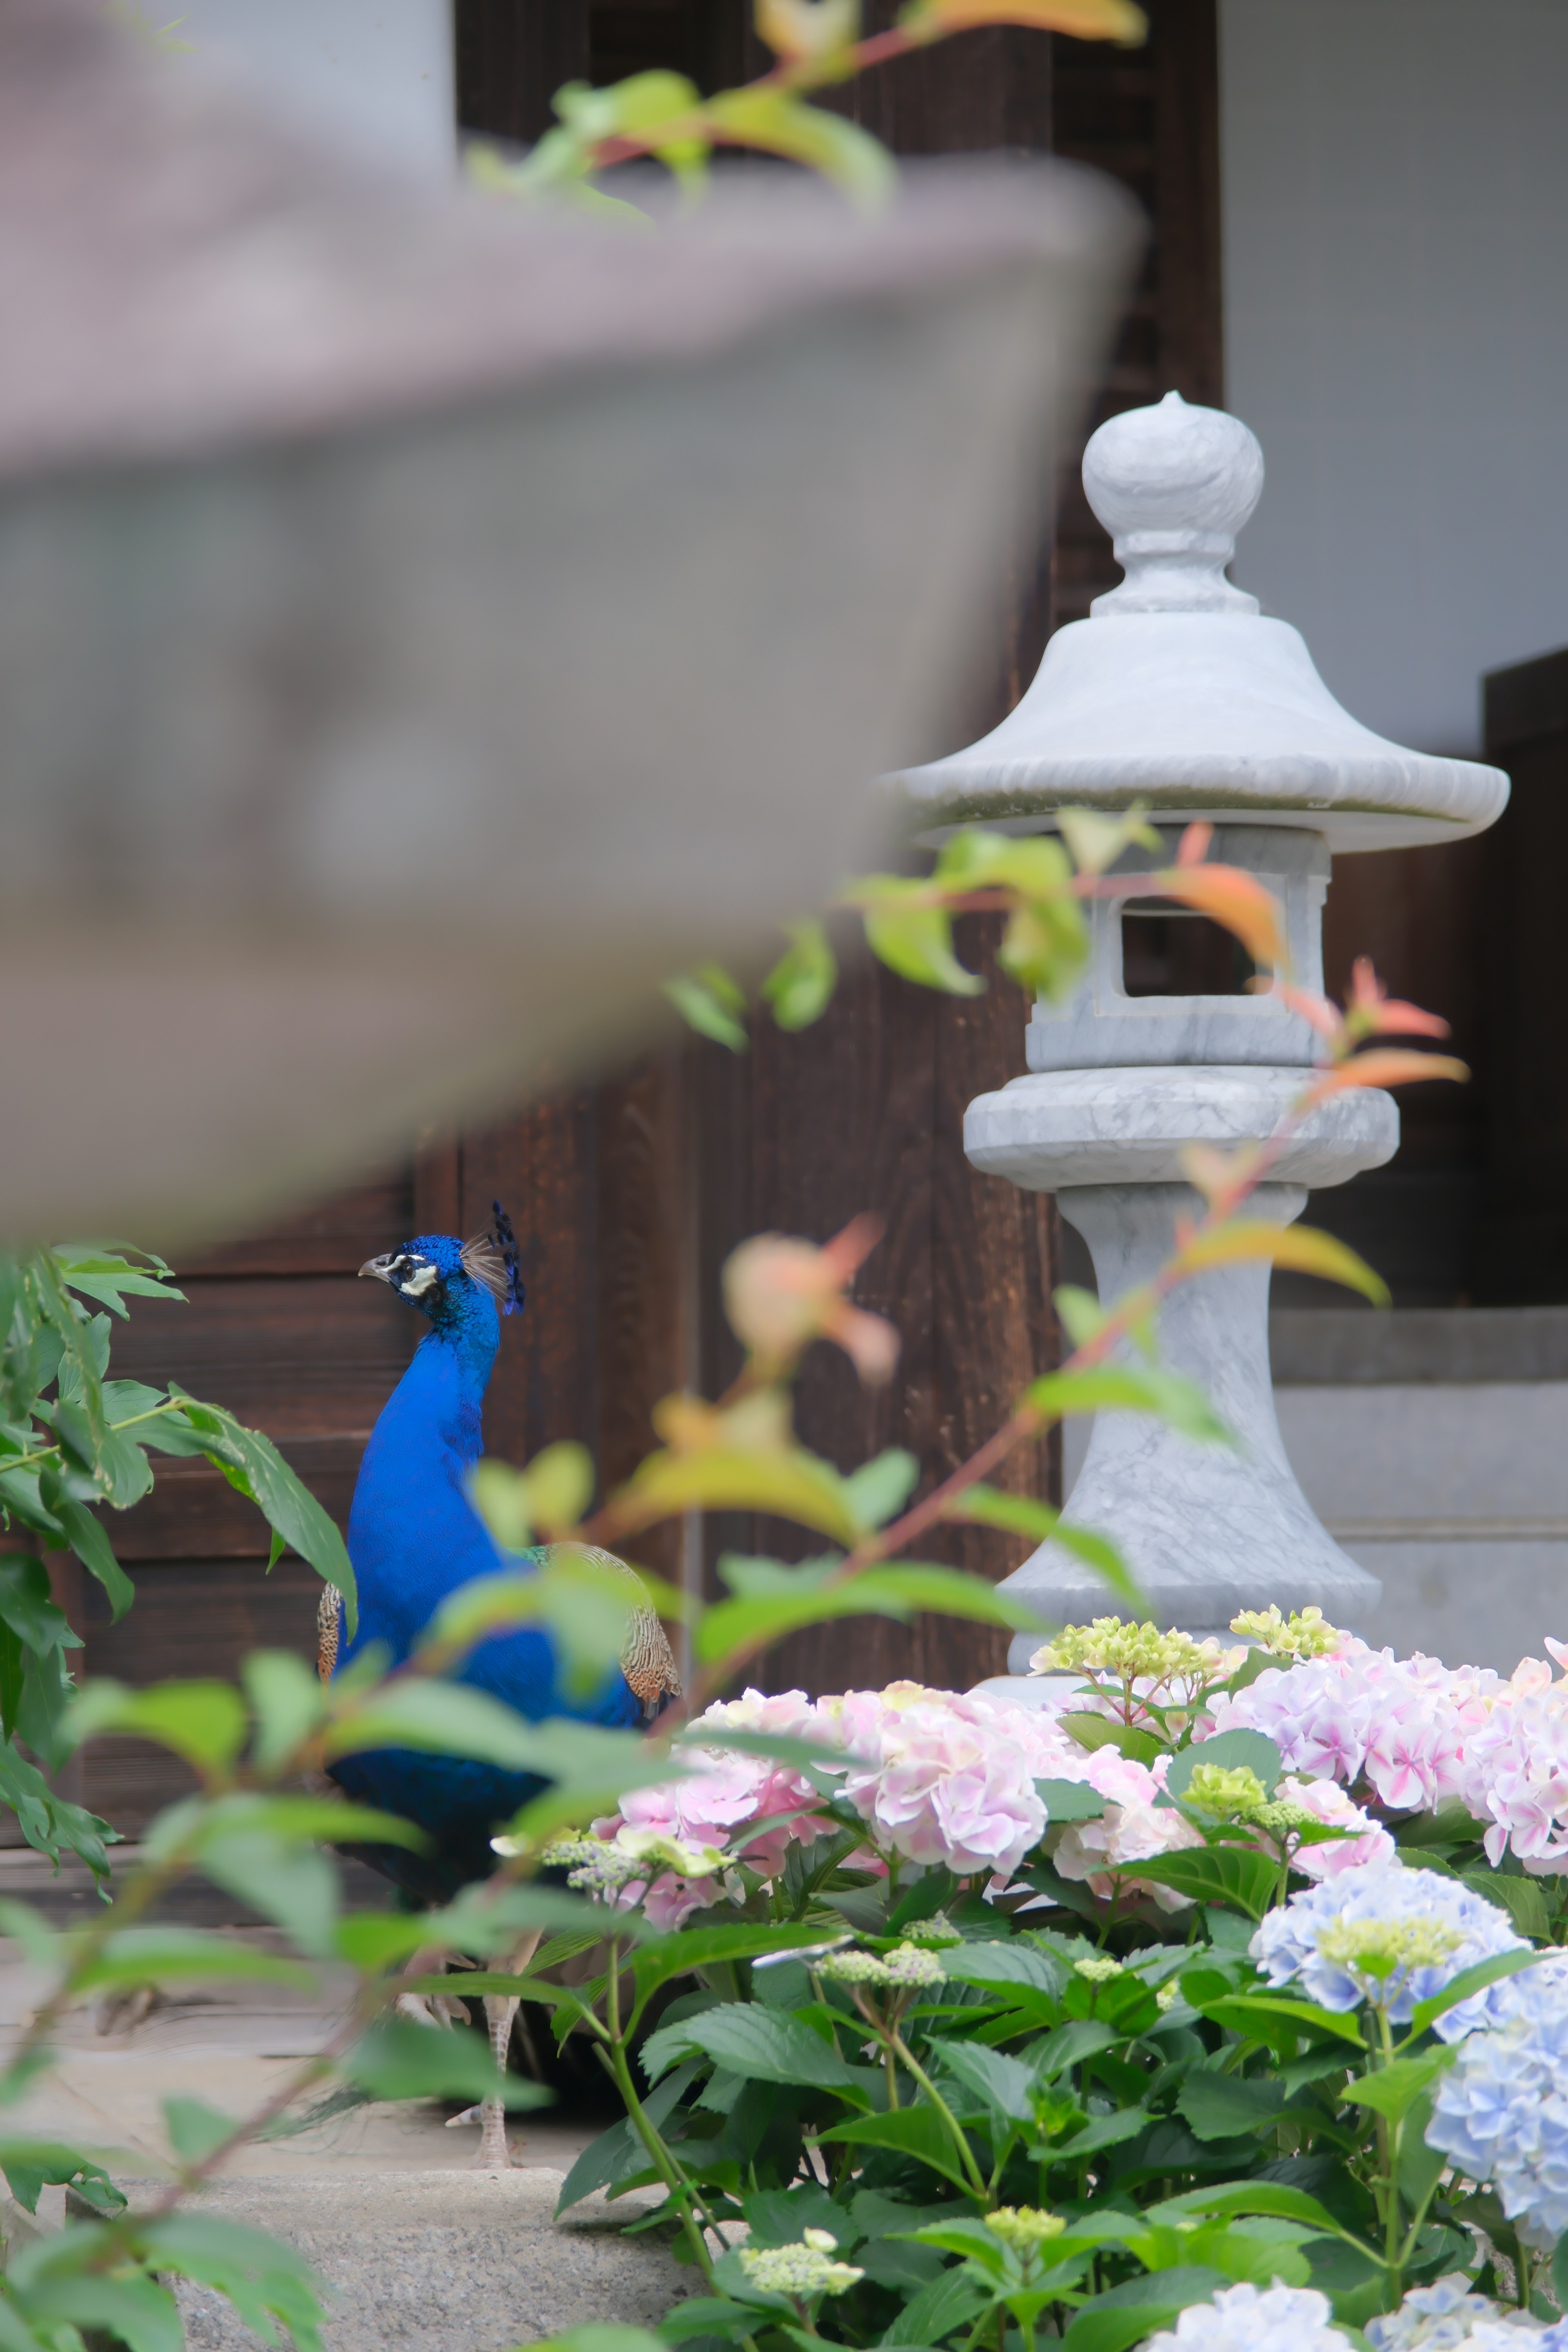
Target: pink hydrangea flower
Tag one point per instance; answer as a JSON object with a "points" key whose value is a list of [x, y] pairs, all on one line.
{"points": [[947, 1779], [1134, 1828], [1327, 1802]]}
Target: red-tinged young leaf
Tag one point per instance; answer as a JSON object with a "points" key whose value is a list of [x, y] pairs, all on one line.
{"points": [[1085, 20], [1301, 1248], [1372, 1013], [1319, 1011], [1388, 1066], [1194, 847], [1236, 899]]}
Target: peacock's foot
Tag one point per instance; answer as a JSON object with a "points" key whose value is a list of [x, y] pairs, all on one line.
{"points": [[494, 2155]]}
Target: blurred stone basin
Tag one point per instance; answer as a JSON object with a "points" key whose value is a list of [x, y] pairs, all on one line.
{"points": [[425, 624]]}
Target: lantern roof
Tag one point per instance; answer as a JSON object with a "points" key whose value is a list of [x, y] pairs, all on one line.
{"points": [[1179, 694]]}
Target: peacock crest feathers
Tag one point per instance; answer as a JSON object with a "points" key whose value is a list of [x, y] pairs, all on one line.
{"points": [[492, 1260]]}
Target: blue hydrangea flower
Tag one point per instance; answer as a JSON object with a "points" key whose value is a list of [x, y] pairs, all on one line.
{"points": [[1388, 1933], [1447, 2315], [1501, 2113]]}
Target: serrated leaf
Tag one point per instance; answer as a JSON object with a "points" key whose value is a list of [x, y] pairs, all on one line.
{"points": [[1015, 1962], [1124, 2315], [94, 1551], [251, 1463], [1224, 2106], [991, 2077], [1394, 2090], [1236, 1875], [917, 2132], [30, 2164], [767, 2045]]}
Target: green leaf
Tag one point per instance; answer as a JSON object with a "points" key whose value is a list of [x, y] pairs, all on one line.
{"points": [[879, 1490], [1015, 1962], [767, 2045], [138, 1956], [1521, 1898], [30, 2164], [1300, 1249], [1394, 2090], [919, 2132], [93, 1549], [1092, 1731], [801, 985], [602, 2336], [778, 123], [1560, 2273], [618, 2153], [1231, 1751], [912, 939], [709, 1002], [701, 1947], [1124, 2315], [127, 2309], [399, 2060], [195, 2129], [1247, 2013], [253, 1464], [1070, 2045], [1069, 1800], [1223, 2106], [1232, 1874], [903, 1593], [1115, 1388], [288, 1702], [205, 1722], [1468, 1981], [997, 2081], [26, 1606], [444, 1719], [261, 2277], [949, 2303]]}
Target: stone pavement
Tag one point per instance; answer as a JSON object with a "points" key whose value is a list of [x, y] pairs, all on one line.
{"points": [[417, 2247]]}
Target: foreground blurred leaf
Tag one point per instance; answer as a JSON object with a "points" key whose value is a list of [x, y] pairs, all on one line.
{"points": [[801, 985], [399, 2060], [205, 1722], [779, 123], [1302, 1249], [709, 1002]]}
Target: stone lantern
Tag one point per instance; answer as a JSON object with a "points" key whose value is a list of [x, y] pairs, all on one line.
{"points": [[1179, 695]]}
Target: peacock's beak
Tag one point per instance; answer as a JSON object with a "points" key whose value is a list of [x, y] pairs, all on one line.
{"points": [[378, 1269]]}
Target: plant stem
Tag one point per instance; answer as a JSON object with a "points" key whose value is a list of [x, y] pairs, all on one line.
{"points": [[954, 2130]]}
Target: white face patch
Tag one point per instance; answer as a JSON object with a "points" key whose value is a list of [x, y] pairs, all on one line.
{"points": [[415, 1286]]}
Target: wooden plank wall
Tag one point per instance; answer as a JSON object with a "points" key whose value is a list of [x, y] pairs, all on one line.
{"points": [[628, 1195]]}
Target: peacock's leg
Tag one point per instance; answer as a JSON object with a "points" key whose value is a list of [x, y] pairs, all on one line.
{"points": [[500, 2011]]}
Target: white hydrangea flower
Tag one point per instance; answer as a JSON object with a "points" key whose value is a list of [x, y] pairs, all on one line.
{"points": [[1448, 2313], [1248, 2319]]}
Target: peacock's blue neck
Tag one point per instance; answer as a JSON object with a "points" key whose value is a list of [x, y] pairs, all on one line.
{"points": [[438, 1402]]}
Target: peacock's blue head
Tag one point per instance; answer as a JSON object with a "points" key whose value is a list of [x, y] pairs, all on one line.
{"points": [[452, 1282]]}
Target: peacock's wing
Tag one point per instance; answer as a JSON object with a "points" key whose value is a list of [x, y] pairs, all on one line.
{"points": [[648, 1662]]}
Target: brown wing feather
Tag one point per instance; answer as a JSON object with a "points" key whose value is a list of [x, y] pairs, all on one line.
{"points": [[648, 1661]]}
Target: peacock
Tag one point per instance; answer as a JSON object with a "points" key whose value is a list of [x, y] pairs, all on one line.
{"points": [[414, 1538]]}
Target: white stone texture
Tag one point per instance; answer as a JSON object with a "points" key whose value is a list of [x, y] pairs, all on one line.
{"points": [[1067, 1128], [1180, 696], [1207, 1529], [1100, 1022]]}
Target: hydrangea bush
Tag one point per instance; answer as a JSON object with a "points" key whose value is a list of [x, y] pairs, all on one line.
{"points": [[1213, 2002]]}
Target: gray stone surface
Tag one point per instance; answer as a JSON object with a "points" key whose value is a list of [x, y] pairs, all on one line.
{"points": [[445, 2261], [1207, 1529]]}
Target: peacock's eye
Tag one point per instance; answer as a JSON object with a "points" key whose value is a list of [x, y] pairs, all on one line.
{"points": [[416, 1276]]}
